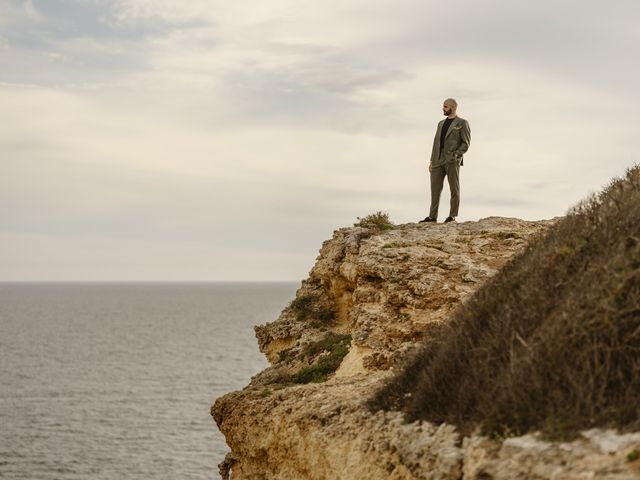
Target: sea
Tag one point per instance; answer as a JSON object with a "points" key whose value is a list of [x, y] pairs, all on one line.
{"points": [[116, 380]]}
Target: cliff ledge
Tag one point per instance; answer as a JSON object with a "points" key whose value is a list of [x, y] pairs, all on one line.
{"points": [[373, 296]]}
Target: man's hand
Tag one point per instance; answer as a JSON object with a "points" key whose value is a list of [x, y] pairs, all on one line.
{"points": [[429, 168]]}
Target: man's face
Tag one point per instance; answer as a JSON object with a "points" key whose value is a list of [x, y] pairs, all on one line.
{"points": [[447, 108]]}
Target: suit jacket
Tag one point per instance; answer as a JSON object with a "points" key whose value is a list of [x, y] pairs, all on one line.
{"points": [[456, 143]]}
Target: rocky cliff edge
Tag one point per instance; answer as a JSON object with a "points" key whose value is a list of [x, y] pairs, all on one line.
{"points": [[373, 295]]}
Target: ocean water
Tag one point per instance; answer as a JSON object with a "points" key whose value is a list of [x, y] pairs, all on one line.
{"points": [[115, 380]]}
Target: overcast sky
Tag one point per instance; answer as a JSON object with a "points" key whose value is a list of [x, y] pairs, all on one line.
{"points": [[225, 140]]}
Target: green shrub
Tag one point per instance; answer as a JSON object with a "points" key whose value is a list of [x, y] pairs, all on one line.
{"points": [[327, 315], [285, 355], [336, 346], [316, 373], [265, 393], [378, 220], [308, 307], [302, 306]]}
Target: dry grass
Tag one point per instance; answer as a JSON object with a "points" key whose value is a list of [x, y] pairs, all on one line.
{"points": [[378, 221], [552, 342]]}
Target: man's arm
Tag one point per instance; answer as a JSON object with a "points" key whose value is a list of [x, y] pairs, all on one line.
{"points": [[465, 136], [435, 148]]}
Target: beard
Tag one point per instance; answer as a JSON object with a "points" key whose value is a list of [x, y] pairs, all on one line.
{"points": [[446, 111]]}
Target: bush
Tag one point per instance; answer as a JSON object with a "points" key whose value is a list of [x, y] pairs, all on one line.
{"points": [[378, 220], [552, 342], [302, 306], [308, 307], [326, 315], [336, 347]]}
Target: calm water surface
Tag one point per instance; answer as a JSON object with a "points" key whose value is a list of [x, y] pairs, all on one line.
{"points": [[115, 380]]}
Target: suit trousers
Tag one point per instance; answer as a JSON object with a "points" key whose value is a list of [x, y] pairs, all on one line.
{"points": [[451, 170]]}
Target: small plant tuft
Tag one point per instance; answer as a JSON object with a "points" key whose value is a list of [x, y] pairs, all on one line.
{"points": [[379, 220], [302, 306], [331, 350], [285, 355], [265, 393], [309, 307], [326, 315]]}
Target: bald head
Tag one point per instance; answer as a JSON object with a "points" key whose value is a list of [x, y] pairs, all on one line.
{"points": [[449, 107]]}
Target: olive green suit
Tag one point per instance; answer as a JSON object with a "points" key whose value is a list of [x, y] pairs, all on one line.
{"points": [[447, 162]]}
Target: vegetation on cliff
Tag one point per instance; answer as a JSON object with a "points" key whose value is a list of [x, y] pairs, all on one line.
{"points": [[312, 309], [312, 363], [329, 353], [378, 220], [552, 342]]}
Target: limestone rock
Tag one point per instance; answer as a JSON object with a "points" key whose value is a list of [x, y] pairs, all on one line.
{"points": [[387, 290]]}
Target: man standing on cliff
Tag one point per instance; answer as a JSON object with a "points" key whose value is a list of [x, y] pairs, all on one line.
{"points": [[452, 140]]}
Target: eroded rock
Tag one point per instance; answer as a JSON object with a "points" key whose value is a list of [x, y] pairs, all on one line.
{"points": [[387, 290]]}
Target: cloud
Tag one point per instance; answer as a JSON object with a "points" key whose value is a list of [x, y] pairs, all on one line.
{"points": [[167, 12], [241, 134]]}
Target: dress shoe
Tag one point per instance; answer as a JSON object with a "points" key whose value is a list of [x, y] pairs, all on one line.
{"points": [[449, 219], [427, 219]]}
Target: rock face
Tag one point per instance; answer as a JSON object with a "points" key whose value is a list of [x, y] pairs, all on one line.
{"points": [[381, 292]]}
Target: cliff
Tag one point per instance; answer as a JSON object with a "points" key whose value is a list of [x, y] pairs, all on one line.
{"points": [[373, 297]]}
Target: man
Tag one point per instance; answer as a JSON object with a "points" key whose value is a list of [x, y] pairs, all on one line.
{"points": [[452, 140]]}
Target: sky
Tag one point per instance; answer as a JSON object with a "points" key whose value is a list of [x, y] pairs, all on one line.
{"points": [[207, 140]]}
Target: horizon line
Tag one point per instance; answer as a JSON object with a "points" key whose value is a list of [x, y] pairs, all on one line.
{"points": [[149, 281]]}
